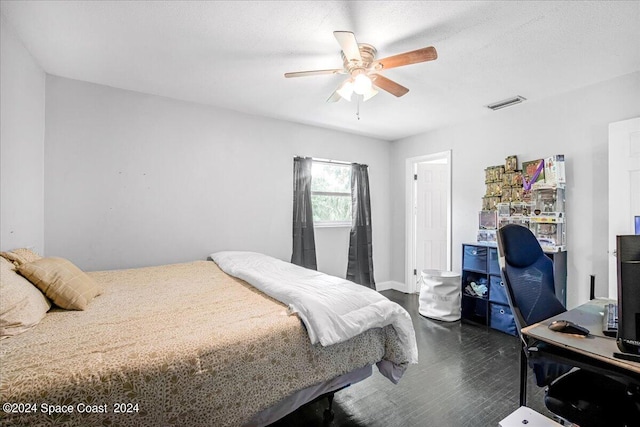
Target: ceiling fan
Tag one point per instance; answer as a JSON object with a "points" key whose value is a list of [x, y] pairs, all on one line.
{"points": [[364, 70]]}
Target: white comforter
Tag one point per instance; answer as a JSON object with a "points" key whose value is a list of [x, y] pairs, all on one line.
{"points": [[332, 309]]}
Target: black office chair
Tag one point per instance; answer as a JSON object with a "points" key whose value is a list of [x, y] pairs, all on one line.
{"points": [[576, 395]]}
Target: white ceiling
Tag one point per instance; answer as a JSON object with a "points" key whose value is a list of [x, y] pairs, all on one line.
{"points": [[234, 54]]}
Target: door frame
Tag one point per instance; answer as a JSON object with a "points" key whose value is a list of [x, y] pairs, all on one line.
{"points": [[410, 214], [618, 132]]}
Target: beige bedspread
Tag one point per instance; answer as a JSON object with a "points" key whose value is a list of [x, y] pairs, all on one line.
{"points": [[182, 344]]}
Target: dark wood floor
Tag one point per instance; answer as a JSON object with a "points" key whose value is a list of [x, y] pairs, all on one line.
{"points": [[467, 376]]}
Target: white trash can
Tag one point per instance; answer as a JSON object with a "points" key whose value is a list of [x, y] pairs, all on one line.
{"points": [[440, 295]]}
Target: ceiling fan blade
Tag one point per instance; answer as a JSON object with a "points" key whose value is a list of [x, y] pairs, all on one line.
{"points": [[314, 72], [407, 58], [348, 44], [389, 85], [335, 97]]}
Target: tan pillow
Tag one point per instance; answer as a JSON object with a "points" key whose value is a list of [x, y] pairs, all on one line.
{"points": [[20, 256], [22, 305], [64, 283]]}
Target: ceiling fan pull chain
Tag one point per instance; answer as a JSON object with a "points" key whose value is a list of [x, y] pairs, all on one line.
{"points": [[358, 107]]}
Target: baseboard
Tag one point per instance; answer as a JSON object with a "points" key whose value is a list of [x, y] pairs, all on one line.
{"points": [[392, 284]]}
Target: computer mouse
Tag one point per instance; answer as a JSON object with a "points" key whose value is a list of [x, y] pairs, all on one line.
{"points": [[568, 327]]}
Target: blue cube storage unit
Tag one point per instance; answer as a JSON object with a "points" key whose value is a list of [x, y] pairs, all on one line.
{"points": [[484, 298], [474, 258], [494, 266], [497, 291], [501, 318]]}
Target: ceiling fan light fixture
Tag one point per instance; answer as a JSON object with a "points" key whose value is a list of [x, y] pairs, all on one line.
{"points": [[361, 83], [346, 90], [369, 94]]}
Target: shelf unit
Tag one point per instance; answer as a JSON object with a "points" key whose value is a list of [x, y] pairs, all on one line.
{"points": [[491, 308]]}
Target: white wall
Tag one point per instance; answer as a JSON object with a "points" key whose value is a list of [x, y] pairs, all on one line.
{"points": [[22, 122], [134, 179], [574, 124]]}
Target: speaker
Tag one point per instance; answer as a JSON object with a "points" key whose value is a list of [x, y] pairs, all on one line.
{"points": [[628, 260]]}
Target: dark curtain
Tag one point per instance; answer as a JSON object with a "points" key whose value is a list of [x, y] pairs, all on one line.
{"points": [[360, 265], [304, 244]]}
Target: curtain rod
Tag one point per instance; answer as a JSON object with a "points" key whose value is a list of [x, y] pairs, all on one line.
{"points": [[339, 162]]}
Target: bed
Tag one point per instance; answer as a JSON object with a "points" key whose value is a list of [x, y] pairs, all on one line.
{"points": [[189, 344]]}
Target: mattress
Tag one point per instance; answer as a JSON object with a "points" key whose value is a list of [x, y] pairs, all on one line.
{"points": [[174, 345]]}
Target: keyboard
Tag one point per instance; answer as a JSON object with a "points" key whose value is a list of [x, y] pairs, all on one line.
{"points": [[610, 320]]}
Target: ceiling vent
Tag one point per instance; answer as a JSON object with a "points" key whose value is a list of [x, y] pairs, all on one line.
{"points": [[506, 103]]}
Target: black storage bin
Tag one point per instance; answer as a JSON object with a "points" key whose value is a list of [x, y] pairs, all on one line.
{"points": [[497, 291], [501, 319], [475, 258]]}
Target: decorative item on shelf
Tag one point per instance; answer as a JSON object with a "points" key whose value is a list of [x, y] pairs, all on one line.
{"points": [[488, 175], [504, 209], [547, 199], [554, 172], [516, 179], [511, 164], [487, 236], [517, 194], [551, 235], [518, 209], [488, 220], [493, 203], [485, 204], [493, 174], [507, 179], [528, 208], [520, 220], [532, 171], [494, 189], [548, 217]]}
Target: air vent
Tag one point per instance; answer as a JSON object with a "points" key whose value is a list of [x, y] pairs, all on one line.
{"points": [[506, 103]]}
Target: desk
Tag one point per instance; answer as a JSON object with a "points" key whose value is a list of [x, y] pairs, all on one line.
{"points": [[594, 352]]}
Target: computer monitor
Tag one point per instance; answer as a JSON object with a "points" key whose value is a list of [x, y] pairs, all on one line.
{"points": [[628, 260]]}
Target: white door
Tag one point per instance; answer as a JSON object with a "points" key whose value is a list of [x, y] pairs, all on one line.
{"points": [[428, 216], [431, 216], [624, 187]]}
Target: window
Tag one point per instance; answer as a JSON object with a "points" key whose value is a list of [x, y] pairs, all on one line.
{"points": [[331, 194]]}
